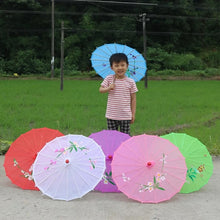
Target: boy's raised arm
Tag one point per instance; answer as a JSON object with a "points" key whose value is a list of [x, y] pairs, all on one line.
{"points": [[104, 90]]}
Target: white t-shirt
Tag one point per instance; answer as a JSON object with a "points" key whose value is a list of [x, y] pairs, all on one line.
{"points": [[119, 99]]}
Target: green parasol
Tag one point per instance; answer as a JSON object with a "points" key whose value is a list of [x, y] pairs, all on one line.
{"points": [[198, 160]]}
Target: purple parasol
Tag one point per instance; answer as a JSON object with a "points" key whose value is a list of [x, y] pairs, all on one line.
{"points": [[109, 140]]}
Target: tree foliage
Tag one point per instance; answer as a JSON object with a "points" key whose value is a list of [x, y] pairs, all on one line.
{"points": [[176, 26]]}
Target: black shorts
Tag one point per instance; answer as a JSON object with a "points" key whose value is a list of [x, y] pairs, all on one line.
{"points": [[123, 124]]}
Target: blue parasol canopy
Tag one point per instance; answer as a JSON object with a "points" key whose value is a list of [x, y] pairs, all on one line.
{"points": [[100, 61]]}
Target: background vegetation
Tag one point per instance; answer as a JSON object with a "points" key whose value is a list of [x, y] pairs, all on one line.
{"points": [[183, 39], [191, 107], [182, 35]]}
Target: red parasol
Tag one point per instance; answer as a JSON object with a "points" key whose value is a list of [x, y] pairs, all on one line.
{"points": [[22, 153]]}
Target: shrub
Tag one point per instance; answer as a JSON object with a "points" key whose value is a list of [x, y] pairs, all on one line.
{"points": [[25, 62], [212, 71], [2, 66], [156, 58], [183, 62], [4, 145], [166, 72], [211, 58], [195, 73]]}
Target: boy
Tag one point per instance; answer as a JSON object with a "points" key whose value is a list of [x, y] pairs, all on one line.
{"points": [[121, 105]]}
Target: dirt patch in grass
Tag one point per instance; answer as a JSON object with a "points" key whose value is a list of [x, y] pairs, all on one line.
{"points": [[176, 128]]}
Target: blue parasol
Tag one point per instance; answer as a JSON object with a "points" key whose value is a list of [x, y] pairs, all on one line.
{"points": [[100, 61]]}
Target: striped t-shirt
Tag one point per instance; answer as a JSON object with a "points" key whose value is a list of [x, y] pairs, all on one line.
{"points": [[119, 99]]}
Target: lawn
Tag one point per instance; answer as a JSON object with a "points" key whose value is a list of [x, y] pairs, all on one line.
{"points": [[192, 107]]}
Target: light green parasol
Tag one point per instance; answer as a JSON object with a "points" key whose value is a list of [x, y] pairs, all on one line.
{"points": [[198, 160]]}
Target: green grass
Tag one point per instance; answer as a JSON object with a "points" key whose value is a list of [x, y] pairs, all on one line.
{"points": [[192, 107]]}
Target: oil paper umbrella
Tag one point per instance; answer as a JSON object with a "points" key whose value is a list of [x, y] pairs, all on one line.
{"points": [[20, 157], [109, 140], [100, 61], [148, 169], [198, 161], [68, 167]]}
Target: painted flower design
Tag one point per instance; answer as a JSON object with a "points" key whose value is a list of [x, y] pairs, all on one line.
{"points": [[125, 178], [73, 146], [64, 150], [160, 177], [157, 179], [107, 178], [15, 163], [163, 159], [25, 174], [92, 162], [131, 72], [52, 162], [150, 186], [194, 172]]}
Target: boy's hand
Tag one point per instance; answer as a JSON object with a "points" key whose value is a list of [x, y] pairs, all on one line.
{"points": [[132, 119], [106, 89], [112, 86]]}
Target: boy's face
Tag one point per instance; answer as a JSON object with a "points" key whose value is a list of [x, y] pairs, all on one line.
{"points": [[119, 69]]}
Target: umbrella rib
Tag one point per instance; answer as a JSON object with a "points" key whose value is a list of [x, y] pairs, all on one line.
{"points": [[95, 165], [180, 168], [90, 173], [201, 156], [103, 72], [115, 48], [137, 167], [192, 157], [27, 150], [140, 67], [176, 177], [79, 174], [77, 188], [99, 55], [176, 159], [131, 50], [134, 159], [123, 51], [138, 62], [133, 153], [111, 52], [139, 55], [136, 79], [174, 186], [39, 173], [45, 155], [119, 175], [104, 51], [125, 183], [104, 68], [57, 186], [48, 185]]}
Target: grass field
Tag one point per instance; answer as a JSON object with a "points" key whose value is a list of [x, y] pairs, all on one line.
{"points": [[192, 107]]}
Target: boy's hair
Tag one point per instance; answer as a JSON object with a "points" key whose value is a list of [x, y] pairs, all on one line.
{"points": [[118, 57]]}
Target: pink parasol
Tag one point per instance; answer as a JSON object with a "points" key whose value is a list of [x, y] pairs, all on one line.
{"points": [[148, 169], [109, 140]]}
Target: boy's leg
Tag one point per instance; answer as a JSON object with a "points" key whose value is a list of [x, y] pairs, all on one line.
{"points": [[112, 124], [125, 126]]}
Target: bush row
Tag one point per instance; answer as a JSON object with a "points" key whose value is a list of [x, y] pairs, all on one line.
{"points": [[159, 62], [159, 59]]}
